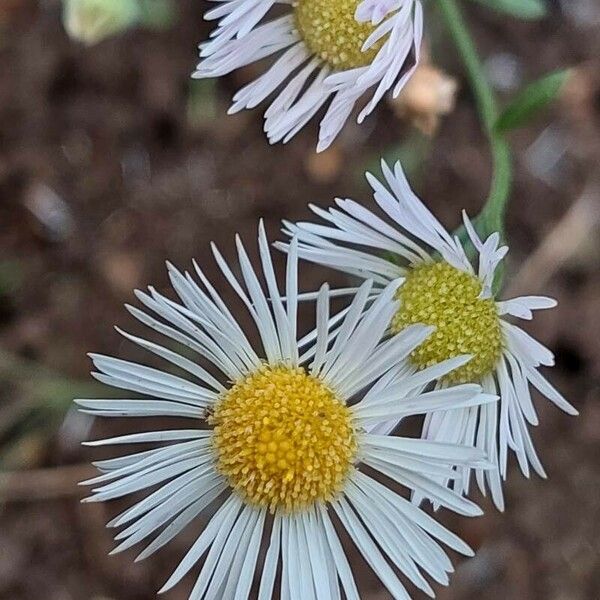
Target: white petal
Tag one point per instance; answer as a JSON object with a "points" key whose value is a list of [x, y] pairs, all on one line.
{"points": [[369, 550], [152, 436], [181, 521], [529, 350], [267, 581], [339, 556], [222, 521], [427, 487], [548, 390], [241, 584], [523, 306]]}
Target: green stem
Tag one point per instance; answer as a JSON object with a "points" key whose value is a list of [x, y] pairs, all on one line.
{"points": [[492, 216]]}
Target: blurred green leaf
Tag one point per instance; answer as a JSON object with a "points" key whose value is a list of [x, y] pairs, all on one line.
{"points": [[202, 105], [412, 152], [11, 276], [158, 14], [91, 21], [523, 9], [34, 401], [530, 101]]}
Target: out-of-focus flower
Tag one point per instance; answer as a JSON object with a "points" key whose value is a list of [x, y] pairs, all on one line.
{"points": [[429, 94], [286, 441], [443, 289], [91, 21], [326, 54]]}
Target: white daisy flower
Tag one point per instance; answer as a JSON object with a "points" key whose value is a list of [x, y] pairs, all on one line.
{"points": [[284, 450], [323, 53], [443, 289]]}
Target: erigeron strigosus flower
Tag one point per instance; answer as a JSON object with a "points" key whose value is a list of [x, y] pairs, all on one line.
{"points": [[444, 289], [278, 440], [327, 53]]}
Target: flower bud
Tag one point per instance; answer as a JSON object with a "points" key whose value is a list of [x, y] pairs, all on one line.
{"points": [[91, 21]]}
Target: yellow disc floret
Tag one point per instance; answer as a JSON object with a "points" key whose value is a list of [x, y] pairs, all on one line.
{"points": [[439, 294], [331, 32], [283, 439]]}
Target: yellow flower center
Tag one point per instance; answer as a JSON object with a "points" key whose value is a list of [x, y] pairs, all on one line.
{"points": [[331, 32], [283, 439], [439, 294]]}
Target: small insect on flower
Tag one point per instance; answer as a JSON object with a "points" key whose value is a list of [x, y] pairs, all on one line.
{"points": [[278, 440], [442, 288], [328, 49]]}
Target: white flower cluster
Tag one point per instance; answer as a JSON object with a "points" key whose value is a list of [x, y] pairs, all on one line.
{"points": [[283, 432], [291, 439]]}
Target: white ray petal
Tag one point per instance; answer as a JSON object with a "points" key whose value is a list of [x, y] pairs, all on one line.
{"points": [[220, 524], [137, 407], [339, 556], [181, 521], [528, 349], [386, 532], [369, 550], [264, 320], [460, 396], [284, 332], [164, 493], [428, 487], [523, 306], [240, 585], [176, 359], [149, 459], [322, 330], [440, 452], [267, 581], [547, 389], [223, 557], [314, 553], [152, 436]]}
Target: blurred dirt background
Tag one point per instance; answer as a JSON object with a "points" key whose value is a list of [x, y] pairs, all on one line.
{"points": [[112, 160]]}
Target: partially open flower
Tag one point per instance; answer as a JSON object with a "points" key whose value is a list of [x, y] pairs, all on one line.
{"points": [[91, 21], [324, 54], [443, 289]]}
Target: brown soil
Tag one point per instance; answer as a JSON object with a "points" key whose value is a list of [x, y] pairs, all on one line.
{"points": [[105, 137]]}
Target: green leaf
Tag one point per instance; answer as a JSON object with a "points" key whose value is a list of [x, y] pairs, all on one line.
{"points": [[11, 276], [412, 152], [528, 10], [158, 14], [529, 102]]}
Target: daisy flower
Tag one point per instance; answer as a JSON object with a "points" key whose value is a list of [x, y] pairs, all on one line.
{"points": [[442, 288], [324, 53], [275, 444]]}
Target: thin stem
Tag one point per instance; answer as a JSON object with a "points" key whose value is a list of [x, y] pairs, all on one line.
{"points": [[492, 216]]}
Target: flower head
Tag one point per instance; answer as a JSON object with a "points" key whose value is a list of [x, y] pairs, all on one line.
{"points": [[325, 53], [280, 436], [443, 289], [450, 300]]}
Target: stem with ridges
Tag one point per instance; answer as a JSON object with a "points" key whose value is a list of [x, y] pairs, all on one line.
{"points": [[492, 216]]}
